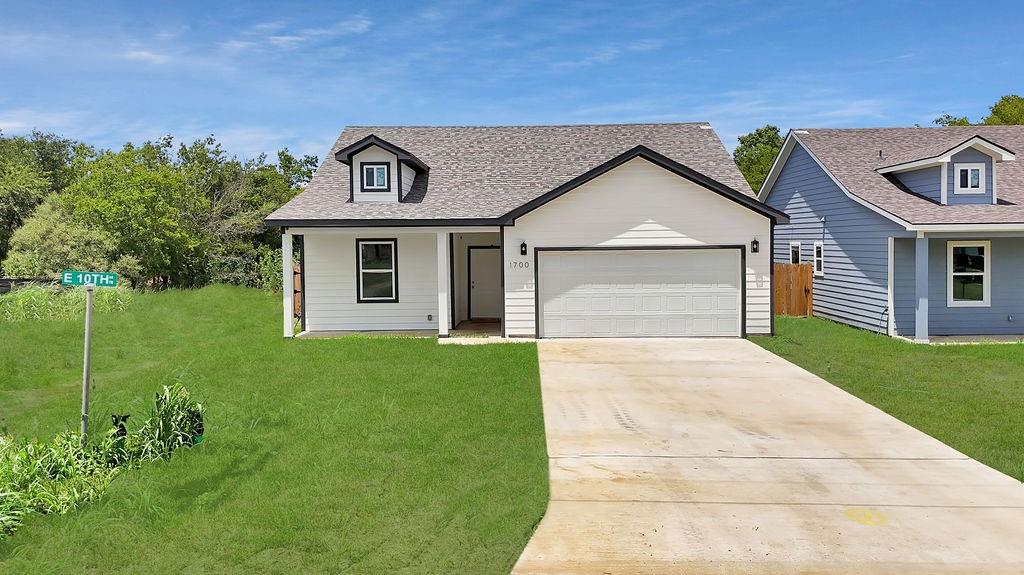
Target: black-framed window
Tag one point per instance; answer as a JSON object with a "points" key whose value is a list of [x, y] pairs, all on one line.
{"points": [[376, 176], [377, 270]]}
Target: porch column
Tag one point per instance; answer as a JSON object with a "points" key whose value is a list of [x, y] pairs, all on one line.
{"points": [[288, 287], [443, 286], [921, 288]]}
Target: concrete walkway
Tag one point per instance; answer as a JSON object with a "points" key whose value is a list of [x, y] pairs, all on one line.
{"points": [[715, 456]]}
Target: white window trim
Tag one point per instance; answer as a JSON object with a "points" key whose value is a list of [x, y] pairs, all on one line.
{"points": [[375, 167], [360, 298], [799, 254], [986, 274], [956, 179], [819, 259]]}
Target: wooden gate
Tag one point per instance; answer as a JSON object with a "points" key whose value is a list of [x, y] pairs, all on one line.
{"points": [[793, 289]]}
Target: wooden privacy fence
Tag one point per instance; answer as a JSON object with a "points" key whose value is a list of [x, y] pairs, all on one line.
{"points": [[297, 290], [794, 289]]}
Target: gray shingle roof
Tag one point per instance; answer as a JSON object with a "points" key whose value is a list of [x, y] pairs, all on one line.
{"points": [[485, 172], [851, 155]]}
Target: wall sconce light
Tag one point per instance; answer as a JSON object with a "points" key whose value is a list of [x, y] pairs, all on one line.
{"points": [[522, 249], [755, 246]]}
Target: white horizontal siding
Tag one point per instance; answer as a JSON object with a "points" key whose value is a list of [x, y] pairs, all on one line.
{"points": [[330, 283], [408, 175], [374, 154], [635, 204]]}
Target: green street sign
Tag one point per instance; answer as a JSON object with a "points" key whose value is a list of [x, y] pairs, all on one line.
{"points": [[98, 279]]}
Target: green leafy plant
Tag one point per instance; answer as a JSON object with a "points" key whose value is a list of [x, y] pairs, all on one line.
{"points": [[60, 475], [50, 302]]}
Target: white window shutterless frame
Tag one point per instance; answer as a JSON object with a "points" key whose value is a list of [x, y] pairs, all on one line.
{"points": [[969, 274], [968, 178], [375, 176], [794, 252], [377, 271]]}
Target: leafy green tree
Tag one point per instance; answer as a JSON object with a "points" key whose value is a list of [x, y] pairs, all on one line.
{"points": [[143, 201], [50, 242], [22, 188], [298, 170], [1009, 110], [756, 153], [950, 120]]}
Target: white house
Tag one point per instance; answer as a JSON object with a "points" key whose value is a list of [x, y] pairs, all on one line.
{"points": [[536, 231]]}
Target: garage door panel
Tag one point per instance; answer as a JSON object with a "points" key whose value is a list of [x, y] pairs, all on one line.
{"points": [[639, 293]]}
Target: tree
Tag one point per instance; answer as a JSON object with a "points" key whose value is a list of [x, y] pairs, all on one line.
{"points": [[756, 153], [143, 201], [21, 189], [50, 242], [950, 120], [1009, 110], [298, 170]]}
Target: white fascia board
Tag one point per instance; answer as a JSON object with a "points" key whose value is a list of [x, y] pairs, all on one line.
{"points": [[857, 199], [1012, 227], [358, 230], [780, 161], [995, 152]]}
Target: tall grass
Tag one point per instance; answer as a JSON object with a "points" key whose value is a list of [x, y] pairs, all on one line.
{"points": [[59, 475], [51, 302]]}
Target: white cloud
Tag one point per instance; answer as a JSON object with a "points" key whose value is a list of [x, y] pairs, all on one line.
{"points": [[146, 56], [23, 120], [607, 54], [278, 35]]}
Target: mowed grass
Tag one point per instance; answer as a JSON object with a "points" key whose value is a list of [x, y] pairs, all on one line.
{"points": [[358, 455], [970, 397]]}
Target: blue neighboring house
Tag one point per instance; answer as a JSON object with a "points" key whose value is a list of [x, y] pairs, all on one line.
{"points": [[915, 232]]}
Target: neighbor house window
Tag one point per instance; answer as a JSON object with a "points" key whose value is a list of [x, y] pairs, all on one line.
{"points": [[819, 258], [377, 270], [970, 179], [375, 177], [794, 252], [969, 266]]}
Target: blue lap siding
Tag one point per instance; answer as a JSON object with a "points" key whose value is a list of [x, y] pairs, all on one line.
{"points": [[1007, 277], [975, 157], [924, 182], [854, 289]]}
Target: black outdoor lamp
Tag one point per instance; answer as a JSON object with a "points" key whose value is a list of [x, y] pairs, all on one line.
{"points": [[755, 246], [522, 249]]}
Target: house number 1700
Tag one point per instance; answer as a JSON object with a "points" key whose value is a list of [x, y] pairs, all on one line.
{"points": [[518, 265]]}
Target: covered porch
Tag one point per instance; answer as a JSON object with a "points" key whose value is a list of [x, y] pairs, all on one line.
{"points": [[951, 287], [411, 281]]}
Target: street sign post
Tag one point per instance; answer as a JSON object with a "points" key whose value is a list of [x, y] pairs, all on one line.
{"points": [[90, 280]]}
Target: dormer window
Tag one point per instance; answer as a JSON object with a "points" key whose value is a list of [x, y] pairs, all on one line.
{"points": [[970, 178], [376, 177]]}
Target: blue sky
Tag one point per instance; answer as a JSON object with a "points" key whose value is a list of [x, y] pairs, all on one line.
{"points": [[261, 76]]}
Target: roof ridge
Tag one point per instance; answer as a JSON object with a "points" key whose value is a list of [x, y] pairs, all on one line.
{"points": [[490, 126], [894, 128]]}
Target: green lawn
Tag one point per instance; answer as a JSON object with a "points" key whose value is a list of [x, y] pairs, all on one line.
{"points": [[970, 397], [361, 455]]}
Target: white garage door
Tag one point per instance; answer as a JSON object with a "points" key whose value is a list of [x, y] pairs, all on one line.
{"points": [[633, 293]]}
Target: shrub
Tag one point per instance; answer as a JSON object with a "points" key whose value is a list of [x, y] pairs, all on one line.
{"points": [[270, 269], [49, 302], [58, 476]]}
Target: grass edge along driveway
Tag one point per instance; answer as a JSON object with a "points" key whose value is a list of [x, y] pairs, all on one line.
{"points": [[970, 397], [363, 455]]}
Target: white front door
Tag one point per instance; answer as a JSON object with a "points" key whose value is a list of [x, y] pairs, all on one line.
{"points": [[634, 293], [484, 282]]}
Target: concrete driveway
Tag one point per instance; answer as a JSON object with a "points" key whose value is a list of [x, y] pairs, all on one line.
{"points": [[715, 456]]}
